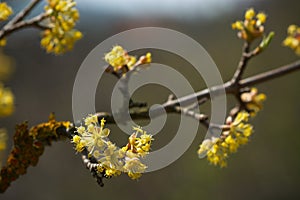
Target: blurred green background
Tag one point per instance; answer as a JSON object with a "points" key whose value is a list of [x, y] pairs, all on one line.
{"points": [[267, 168]]}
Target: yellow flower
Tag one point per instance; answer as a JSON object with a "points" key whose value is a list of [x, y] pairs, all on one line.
{"points": [[6, 101], [206, 145], [118, 58], [134, 167], [139, 144], [237, 25], [80, 146], [81, 130], [242, 116], [6, 66], [61, 36], [94, 137], [253, 101], [76, 139], [249, 14], [261, 17], [92, 120], [111, 172], [252, 26], [293, 38], [292, 29], [112, 160], [5, 11], [2, 42], [218, 149], [134, 176], [146, 59], [3, 138]]}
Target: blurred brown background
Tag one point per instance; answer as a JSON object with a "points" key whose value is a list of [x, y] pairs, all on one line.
{"points": [[267, 168]]}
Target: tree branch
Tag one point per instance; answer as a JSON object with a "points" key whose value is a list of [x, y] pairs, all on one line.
{"points": [[242, 64], [170, 105], [269, 75], [22, 14], [29, 145], [17, 22], [43, 134], [92, 167]]}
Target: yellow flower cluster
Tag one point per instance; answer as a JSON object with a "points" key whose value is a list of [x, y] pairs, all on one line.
{"points": [[252, 26], [293, 38], [140, 145], [113, 160], [62, 35], [6, 101], [3, 138], [218, 149], [5, 11], [118, 58], [6, 66], [2, 42], [253, 101]]}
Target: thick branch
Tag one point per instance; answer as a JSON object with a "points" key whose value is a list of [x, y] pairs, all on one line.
{"points": [[228, 86], [170, 105], [269, 75], [29, 145]]}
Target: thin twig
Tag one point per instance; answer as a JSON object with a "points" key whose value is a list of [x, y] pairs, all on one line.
{"points": [[191, 113], [92, 167], [21, 15], [124, 79], [33, 22], [17, 22], [133, 104], [242, 63]]}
